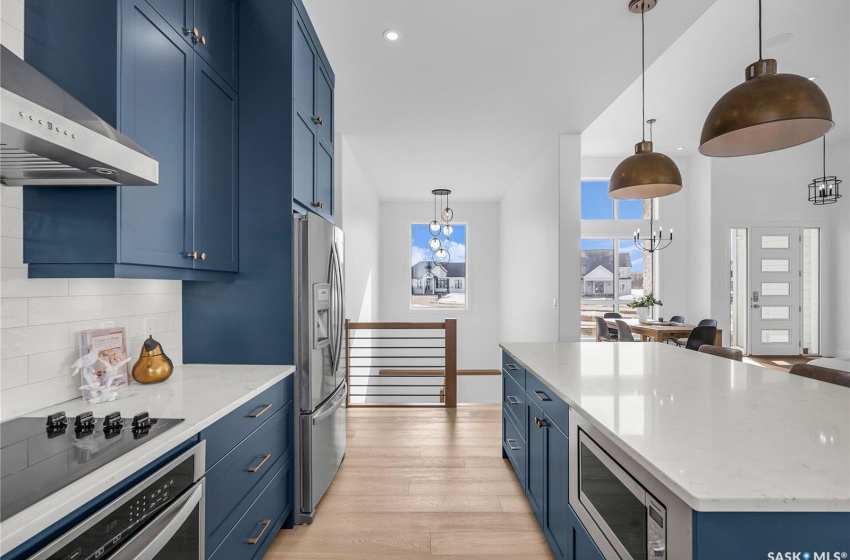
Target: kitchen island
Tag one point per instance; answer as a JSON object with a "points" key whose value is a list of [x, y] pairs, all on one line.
{"points": [[200, 395], [760, 457]]}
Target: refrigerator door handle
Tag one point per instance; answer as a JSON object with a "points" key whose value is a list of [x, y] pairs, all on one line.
{"points": [[331, 407], [334, 328], [340, 286]]}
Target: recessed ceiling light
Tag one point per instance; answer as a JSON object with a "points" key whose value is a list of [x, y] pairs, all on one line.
{"points": [[813, 78], [680, 148], [392, 35], [777, 40]]}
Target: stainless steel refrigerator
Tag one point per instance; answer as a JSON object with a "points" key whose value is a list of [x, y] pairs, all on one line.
{"points": [[319, 360]]}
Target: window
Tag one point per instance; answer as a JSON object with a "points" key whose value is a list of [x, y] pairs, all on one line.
{"points": [[595, 204], [438, 283]]}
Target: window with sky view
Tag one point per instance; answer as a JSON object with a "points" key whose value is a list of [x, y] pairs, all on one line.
{"points": [[438, 283]]}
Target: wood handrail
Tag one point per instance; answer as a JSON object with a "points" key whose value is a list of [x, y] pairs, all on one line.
{"points": [[437, 372], [398, 326]]}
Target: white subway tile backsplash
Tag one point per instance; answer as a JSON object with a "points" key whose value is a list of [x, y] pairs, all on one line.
{"points": [[164, 303], [11, 222], [23, 341], [155, 287], [12, 37], [44, 311], [177, 320], [98, 286], [24, 399], [11, 253], [13, 313], [14, 283], [75, 327], [121, 306], [13, 197], [13, 373], [13, 14], [48, 365]]}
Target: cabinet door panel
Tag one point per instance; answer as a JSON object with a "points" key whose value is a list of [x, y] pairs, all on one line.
{"points": [[157, 112], [304, 158], [303, 67], [324, 179], [536, 461], [178, 13], [218, 24], [558, 516], [216, 180], [324, 104]]}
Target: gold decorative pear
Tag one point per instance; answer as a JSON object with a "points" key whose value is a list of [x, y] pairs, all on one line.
{"points": [[153, 365]]}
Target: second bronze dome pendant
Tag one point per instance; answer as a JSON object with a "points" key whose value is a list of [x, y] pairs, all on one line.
{"points": [[768, 112]]}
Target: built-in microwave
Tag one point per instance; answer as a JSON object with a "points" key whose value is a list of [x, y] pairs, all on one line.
{"points": [[611, 495]]}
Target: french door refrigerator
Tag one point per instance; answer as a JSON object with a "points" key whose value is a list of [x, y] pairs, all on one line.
{"points": [[319, 359]]}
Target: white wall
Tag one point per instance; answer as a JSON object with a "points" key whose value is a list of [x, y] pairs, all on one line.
{"points": [[529, 264], [40, 319], [361, 214], [699, 239], [569, 237], [772, 189], [478, 326]]}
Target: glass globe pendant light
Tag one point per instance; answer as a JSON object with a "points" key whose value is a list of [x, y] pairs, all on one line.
{"points": [[646, 174], [447, 230], [768, 112], [435, 244]]}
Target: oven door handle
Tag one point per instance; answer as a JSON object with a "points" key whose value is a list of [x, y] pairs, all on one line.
{"points": [[164, 527]]}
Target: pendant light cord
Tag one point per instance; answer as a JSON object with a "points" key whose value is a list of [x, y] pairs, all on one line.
{"points": [[760, 55], [824, 158], [643, 70]]}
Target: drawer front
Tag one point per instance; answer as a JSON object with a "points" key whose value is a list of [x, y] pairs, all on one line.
{"points": [[513, 369], [255, 531], [514, 446], [556, 410], [513, 400], [231, 482], [226, 434]]}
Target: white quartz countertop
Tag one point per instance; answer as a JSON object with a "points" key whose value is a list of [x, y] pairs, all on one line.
{"points": [[198, 393], [720, 434]]}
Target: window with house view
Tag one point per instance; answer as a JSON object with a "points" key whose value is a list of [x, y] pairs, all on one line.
{"points": [[438, 282], [614, 272]]}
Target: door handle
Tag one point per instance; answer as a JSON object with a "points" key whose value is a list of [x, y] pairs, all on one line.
{"points": [[258, 414], [542, 396], [321, 416], [263, 462], [513, 400], [540, 423], [512, 445], [265, 523], [319, 121], [511, 367]]}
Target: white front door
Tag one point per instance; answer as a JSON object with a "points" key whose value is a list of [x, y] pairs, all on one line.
{"points": [[775, 294]]}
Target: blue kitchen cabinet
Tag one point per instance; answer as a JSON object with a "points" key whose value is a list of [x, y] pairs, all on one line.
{"points": [[586, 549], [180, 15], [128, 64], [312, 108], [558, 519], [536, 477], [218, 37]]}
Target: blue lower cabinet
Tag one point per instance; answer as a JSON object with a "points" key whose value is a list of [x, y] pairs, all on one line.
{"points": [[558, 519], [513, 446], [583, 546], [254, 532], [536, 474]]}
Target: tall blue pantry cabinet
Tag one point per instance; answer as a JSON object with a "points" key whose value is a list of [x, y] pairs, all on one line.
{"points": [[285, 163], [174, 92]]}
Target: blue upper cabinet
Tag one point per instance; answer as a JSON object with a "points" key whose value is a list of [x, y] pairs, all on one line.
{"points": [[216, 193], [162, 93], [312, 108], [217, 38]]}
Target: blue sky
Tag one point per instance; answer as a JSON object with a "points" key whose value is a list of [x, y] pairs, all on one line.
{"points": [[595, 205], [421, 236]]}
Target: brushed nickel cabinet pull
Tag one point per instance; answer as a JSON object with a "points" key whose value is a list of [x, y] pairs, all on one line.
{"points": [[512, 445], [511, 367], [513, 400], [263, 462], [542, 396], [265, 408], [265, 523]]}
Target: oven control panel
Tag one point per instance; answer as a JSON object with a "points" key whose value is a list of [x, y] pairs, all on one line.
{"points": [[656, 528]]}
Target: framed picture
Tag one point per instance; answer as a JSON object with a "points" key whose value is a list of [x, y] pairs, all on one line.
{"points": [[111, 348]]}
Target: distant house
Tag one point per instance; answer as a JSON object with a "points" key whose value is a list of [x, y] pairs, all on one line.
{"points": [[597, 278], [429, 278]]}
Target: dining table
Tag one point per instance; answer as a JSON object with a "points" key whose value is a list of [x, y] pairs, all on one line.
{"points": [[658, 331]]}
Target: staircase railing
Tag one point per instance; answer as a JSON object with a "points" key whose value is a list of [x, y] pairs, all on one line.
{"points": [[401, 364]]}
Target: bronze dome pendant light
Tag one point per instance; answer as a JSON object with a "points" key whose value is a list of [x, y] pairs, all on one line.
{"points": [[646, 174], [768, 112]]}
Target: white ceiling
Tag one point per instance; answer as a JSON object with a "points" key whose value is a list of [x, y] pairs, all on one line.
{"points": [[475, 89], [709, 59]]}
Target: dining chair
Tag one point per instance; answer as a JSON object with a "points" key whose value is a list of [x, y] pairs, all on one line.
{"points": [[602, 331], [612, 315], [700, 336], [826, 375], [730, 353], [675, 319], [625, 332], [703, 323]]}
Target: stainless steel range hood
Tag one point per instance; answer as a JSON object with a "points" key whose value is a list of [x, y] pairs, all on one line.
{"points": [[48, 138]]}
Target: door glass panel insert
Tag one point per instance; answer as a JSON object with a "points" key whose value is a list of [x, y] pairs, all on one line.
{"points": [[775, 265], [775, 336], [775, 288], [776, 312], [775, 242]]}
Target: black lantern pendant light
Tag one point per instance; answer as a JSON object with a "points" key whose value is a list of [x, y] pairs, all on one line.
{"points": [[768, 112], [824, 189], [646, 174]]}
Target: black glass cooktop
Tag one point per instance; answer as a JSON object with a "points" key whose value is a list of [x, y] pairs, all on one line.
{"points": [[42, 455]]}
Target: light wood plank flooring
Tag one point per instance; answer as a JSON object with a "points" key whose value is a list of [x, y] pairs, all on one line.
{"points": [[420, 483]]}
